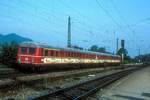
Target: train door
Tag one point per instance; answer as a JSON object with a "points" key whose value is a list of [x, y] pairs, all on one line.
{"points": [[32, 55], [22, 58]]}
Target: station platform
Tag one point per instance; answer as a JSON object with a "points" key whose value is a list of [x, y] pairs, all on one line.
{"points": [[135, 86]]}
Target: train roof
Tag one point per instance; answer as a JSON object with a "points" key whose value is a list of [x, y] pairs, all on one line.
{"points": [[36, 45]]}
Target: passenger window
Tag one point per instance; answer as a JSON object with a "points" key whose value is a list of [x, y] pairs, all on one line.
{"points": [[56, 53], [52, 53], [46, 52], [23, 50], [31, 51]]}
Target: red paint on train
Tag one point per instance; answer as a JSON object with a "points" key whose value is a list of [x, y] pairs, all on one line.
{"points": [[30, 53]]}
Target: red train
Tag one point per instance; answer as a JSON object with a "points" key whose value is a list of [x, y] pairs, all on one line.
{"points": [[38, 57]]}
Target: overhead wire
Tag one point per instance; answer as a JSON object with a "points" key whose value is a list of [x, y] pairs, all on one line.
{"points": [[120, 16], [14, 8], [79, 14], [99, 3], [41, 5], [90, 29]]}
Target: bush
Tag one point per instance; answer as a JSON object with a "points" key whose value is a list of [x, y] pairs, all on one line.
{"points": [[9, 53]]}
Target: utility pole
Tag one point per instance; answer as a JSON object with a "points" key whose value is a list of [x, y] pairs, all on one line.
{"points": [[139, 55], [69, 32], [117, 46], [122, 43], [123, 47], [139, 52]]}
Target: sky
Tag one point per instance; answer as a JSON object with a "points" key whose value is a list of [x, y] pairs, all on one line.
{"points": [[93, 22]]}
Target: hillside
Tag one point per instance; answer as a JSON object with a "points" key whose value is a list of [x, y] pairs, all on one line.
{"points": [[12, 37]]}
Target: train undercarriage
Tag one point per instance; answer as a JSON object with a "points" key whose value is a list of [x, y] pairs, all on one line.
{"points": [[60, 67]]}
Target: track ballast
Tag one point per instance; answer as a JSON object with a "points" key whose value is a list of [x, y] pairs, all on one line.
{"points": [[82, 90]]}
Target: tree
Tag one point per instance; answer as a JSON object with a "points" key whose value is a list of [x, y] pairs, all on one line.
{"points": [[143, 58], [77, 47], [94, 48], [124, 52], [102, 49], [0, 53], [97, 49], [9, 53]]}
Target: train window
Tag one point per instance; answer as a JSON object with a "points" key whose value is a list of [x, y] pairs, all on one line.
{"points": [[49, 52], [31, 51], [62, 54], [87, 55], [59, 53], [71, 54], [46, 52], [75, 54], [84, 55], [80, 55], [52, 53], [56, 53], [68, 54], [65, 54], [23, 50]]}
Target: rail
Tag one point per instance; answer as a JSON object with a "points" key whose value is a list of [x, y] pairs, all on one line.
{"points": [[82, 90]]}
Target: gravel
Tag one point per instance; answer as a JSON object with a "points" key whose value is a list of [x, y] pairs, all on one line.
{"points": [[52, 84]]}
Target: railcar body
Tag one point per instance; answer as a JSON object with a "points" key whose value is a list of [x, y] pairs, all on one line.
{"points": [[35, 56]]}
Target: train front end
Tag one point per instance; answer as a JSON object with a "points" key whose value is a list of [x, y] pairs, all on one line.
{"points": [[29, 56]]}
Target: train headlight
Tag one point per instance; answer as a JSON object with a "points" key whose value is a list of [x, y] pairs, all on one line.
{"points": [[42, 60], [26, 58], [19, 61]]}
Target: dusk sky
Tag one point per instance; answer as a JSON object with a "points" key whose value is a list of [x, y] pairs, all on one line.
{"points": [[98, 22]]}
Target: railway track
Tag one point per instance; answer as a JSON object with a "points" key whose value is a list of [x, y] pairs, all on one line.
{"points": [[82, 90]]}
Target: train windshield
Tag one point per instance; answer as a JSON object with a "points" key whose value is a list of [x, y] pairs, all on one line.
{"points": [[23, 50], [31, 51]]}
